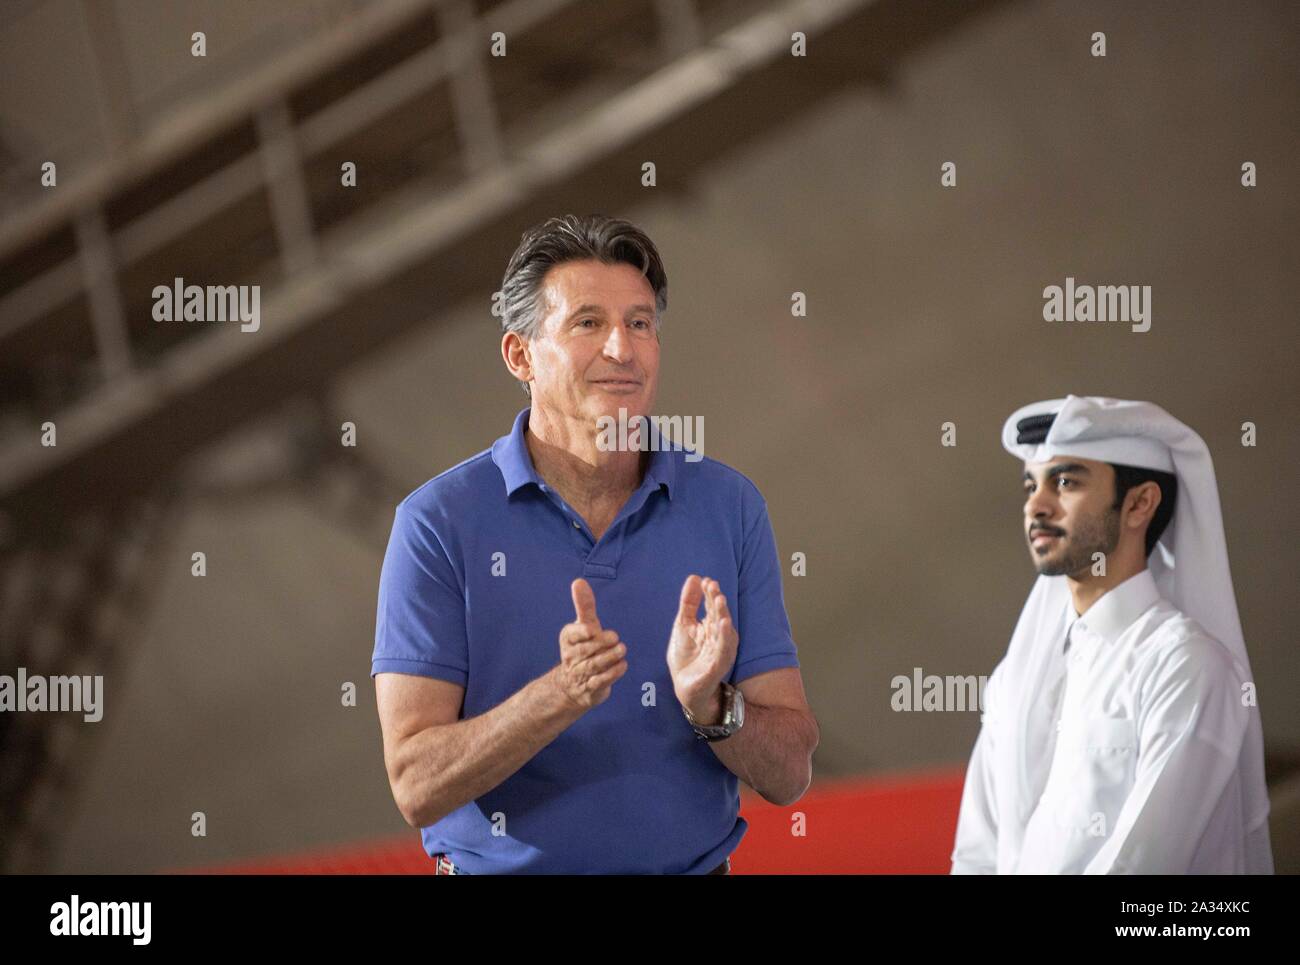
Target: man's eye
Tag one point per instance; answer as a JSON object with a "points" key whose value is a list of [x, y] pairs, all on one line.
{"points": [[1062, 481], [586, 320], [643, 323]]}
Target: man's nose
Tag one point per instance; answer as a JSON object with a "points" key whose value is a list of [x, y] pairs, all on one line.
{"points": [[1039, 505], [618, 346]]}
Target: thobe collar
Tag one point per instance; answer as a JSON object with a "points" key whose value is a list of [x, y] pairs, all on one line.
{"points": [[512, 457], [1115, 612]]}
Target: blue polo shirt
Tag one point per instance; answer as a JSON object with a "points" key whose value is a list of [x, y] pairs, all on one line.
{"points": [[475, 589]]}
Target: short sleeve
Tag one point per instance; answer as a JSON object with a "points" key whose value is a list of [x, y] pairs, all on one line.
{"points": [[761, 620], [420, 622]]}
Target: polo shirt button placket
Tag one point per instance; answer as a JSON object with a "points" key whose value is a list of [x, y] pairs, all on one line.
{"points": [[585, 544]]}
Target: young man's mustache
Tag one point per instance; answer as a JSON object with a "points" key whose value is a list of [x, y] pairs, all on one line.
{"points": [[1045, 530]]}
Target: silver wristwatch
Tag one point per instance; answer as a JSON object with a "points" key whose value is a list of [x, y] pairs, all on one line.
{"points": [[733, 716]]}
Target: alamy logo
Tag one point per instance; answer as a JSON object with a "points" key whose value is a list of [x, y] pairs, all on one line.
{"points": [[651, 433], [75, 917], [1104, 303], [922, 691], [28, 693], [214, 303]]}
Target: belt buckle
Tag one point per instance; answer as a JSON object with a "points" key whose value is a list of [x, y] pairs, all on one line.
{"points": [[443, 866]]}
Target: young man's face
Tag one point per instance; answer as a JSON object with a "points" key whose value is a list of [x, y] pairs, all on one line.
{"points": [[598, 348], [1068, 514]]}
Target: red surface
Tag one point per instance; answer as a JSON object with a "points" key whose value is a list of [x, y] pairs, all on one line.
{"points": [[896, 824]]}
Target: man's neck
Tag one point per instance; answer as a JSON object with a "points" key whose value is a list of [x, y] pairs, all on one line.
{"points": [[565, 454], [1086, 589]]}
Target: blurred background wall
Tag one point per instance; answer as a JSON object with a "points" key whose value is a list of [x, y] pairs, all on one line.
{"points": [[774, 174]]}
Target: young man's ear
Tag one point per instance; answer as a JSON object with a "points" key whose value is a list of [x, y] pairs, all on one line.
{"points": [[1144, 500]]}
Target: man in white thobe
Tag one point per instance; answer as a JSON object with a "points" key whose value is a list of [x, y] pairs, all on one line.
{"points": [[1120, 732]]}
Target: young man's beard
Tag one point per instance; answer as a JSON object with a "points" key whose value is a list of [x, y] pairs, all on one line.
{"points": [[1094, 535]]}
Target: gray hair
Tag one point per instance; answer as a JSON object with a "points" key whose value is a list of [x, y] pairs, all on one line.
{"points": [[573, 238]]}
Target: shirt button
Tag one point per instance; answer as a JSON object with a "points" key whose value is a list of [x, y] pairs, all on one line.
{"points": [[576, 525]]}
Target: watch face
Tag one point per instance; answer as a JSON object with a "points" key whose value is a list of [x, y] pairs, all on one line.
{"points": [[733, 716], [734, 713]]}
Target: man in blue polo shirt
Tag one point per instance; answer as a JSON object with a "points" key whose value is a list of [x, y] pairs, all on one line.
{"points": [[551, 698]]}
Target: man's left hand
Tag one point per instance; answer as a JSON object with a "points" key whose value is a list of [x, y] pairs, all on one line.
{"points": [[701, 653]]}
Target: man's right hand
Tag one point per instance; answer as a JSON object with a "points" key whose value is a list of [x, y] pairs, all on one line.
{"points": [[591, 659]]}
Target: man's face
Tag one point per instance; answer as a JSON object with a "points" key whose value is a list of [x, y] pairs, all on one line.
{"points": [[597, 349], [1068, 514]]}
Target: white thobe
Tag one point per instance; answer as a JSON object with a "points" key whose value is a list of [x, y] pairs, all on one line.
{"points": [[1143, 776]]}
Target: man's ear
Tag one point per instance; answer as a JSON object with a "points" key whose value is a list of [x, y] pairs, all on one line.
{"points": [[1142, 502], [518, 356]]}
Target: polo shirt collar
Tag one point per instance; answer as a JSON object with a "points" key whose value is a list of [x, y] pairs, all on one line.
{"points": [[511, 455]]}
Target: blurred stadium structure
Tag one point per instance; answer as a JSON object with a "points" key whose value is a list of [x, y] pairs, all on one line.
{"points": [[399, 89], [450, 165]]}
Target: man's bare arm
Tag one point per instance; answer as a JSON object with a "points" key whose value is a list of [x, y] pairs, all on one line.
{"points": [[437, 763], [772, 752]]}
